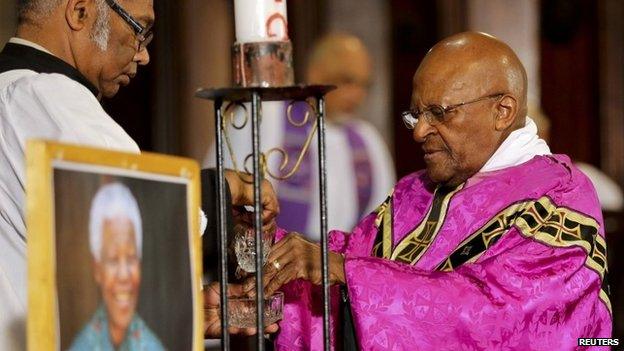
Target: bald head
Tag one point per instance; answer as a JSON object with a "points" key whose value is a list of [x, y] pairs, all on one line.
{"points": [[477, 64], [481, 87], [341, 59]]}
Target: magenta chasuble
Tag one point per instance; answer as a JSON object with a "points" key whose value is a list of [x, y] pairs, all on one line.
{"points": [[513, 259]]}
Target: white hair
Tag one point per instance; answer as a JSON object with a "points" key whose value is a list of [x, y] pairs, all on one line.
{"points": [[113, 200], [34, 11], [100, 32]]}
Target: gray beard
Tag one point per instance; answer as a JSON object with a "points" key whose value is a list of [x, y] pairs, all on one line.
{"points": [[101, 28]]}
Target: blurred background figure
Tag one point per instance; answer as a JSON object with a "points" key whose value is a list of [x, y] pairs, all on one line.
{"points": [[360, 171], [609, 192]]}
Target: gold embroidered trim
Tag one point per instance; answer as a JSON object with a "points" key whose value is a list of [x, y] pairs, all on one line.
{"points": [[384, 232], [545, 222], [414, 245]]}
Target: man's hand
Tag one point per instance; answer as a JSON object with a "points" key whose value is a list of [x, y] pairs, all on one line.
{"points": [[243, 195], [294, 257], [212, 322]]}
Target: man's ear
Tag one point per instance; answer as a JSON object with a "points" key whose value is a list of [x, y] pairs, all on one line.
{"points": [[78, 13], [506, 111]]}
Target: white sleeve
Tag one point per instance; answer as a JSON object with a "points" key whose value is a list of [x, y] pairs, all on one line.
{"points": [[382, 164], [41, 106], [55, 107]]}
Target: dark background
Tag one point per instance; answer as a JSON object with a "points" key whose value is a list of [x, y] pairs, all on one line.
{"points": [[572, 45]]}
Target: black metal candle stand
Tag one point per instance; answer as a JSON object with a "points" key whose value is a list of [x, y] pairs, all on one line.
{"points": [[255, 96]]}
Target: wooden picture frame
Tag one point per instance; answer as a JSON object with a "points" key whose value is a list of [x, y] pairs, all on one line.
{"points": [[64, 274]]}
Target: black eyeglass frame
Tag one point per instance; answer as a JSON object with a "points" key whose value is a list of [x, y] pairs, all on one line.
{"points": [[410, 117], [143, 34]]}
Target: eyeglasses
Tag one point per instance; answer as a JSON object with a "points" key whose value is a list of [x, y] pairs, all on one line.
{"points": [[435, 114], [144, 34]]}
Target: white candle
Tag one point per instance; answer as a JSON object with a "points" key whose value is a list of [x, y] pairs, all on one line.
{"points": [[260, 20]]}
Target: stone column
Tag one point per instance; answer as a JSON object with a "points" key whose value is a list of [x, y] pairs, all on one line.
{"points": [[517, 24]]}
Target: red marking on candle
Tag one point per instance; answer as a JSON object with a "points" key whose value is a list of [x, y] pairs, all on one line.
{"points": [[276, 17]]}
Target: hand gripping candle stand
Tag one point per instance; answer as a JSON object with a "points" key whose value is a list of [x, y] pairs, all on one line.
{"points": [[263, 79]]}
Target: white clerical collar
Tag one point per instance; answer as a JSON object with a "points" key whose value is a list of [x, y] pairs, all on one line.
{"points": [[20, 41], [520, 146]]}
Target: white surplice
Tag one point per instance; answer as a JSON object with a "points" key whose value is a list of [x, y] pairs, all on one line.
{"points": [[37, 106], [519, 147]]}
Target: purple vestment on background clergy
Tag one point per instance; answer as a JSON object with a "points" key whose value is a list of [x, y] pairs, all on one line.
{"points": [[513, 259], [295, 208]]}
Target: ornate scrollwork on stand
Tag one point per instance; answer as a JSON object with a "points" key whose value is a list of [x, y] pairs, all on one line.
{"points": [[230, 118], [230, 113], [282, 173]]}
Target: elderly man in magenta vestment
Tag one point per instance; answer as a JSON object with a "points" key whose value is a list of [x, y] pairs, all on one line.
{"points": [[497, 245]]}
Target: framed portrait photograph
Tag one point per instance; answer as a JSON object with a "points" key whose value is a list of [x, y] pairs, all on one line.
{"points": [[114, 251]]}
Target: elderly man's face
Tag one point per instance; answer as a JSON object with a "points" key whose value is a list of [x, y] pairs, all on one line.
{"points": [[458, 147], [119, 271], [119, 63]]}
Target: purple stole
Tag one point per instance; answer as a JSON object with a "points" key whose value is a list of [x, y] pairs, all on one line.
{"points": [[295, 194], [362, 168]]}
